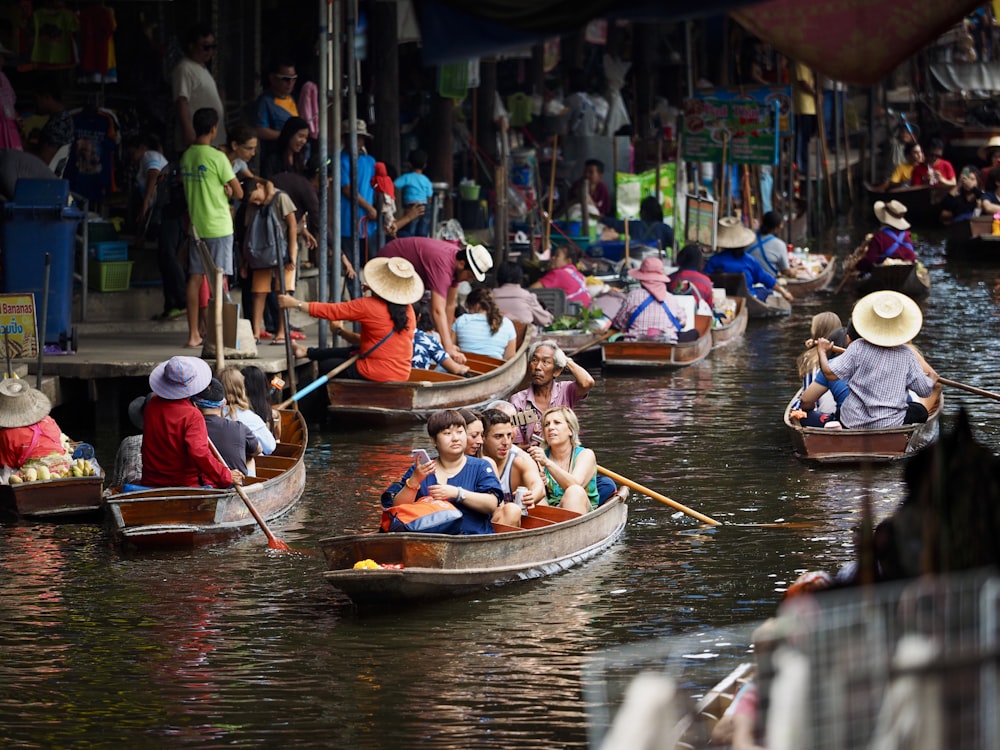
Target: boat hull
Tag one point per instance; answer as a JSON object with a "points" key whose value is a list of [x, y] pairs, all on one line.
{"points": [[800, 288], [193, 516], [659, 355], [735, 328], [921, 201], [427, 391], [735, 285], [437, 566], [974, 239], [76, 498], [887, 445], [906, 278], [585, 344]]}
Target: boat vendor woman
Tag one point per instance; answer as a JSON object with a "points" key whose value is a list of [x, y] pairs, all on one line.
{"points": [[879, 367], [651, 312], [546, 362], [733, 240], [175, 448], [386, 317], [569, 469], [769, 249], [891, 240], [26, 429], [469, 483]]}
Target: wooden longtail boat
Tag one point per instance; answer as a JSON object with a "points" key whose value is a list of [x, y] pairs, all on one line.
{"points": [[735, 285], [800, 288], [974, 239], [437, 566], [658, 354], [911, 279], [76, 498], [733, 329], [831, 446], [428, 391], [584, 343], [189, 516]]}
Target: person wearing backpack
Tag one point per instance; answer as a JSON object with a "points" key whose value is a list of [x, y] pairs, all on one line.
{"points": [[270, 240]]}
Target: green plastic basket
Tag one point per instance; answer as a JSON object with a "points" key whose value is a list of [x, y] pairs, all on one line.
{"points": [[113, 276]]}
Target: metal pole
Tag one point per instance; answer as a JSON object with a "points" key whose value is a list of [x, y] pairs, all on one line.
{"points": [[837, 141], [352, 119], [336, 115], [45, 315], [322, 146]]}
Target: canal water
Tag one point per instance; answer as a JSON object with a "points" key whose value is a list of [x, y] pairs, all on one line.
{"points": [[236, 646]]}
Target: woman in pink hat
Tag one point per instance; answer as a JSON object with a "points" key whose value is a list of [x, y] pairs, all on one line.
{"points": [[651, 312]]}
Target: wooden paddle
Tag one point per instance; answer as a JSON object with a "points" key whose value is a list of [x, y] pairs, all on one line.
{"points": [[318, 382], [969, 388], [606, 335], [851, 262], [272, 541], [657, 496]]}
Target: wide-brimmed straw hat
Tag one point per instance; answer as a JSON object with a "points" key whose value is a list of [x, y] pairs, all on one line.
{"points": [[361, 126], [394, 280], [479, 260], [651, 269], [180, 377], [891, 213], [991, 144], [732, 233], [21, 405], [887, 318]]}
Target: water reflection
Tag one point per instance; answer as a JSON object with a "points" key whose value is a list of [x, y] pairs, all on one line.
{"points": [[237, 646]]}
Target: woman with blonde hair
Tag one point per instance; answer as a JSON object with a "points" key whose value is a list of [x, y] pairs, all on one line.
{"points": [[484, 329], [568, 469], [823, 324], [237, 408]]}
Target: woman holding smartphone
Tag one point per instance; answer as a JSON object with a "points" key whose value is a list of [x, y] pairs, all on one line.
{"points": [[469, 483]]}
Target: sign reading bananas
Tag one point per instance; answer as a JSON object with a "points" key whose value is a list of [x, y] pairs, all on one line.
{"points": [[18, 332]]}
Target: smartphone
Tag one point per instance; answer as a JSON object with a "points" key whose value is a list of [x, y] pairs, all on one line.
{"points": [[420, 456]]}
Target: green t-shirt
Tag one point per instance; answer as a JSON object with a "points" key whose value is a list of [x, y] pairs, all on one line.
{"points": [[205, 171]]}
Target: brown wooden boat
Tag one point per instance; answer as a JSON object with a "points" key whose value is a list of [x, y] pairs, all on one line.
{"points": [[734, 328], [803, 287], [189, 516], [660, 354], [428, 391], [696, 729], [830, 446], [735, 285], [437, 566], [584, 345], [974, 239], [911, 279], [69, 498]]}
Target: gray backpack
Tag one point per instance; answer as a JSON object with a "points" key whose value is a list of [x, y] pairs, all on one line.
{"points": [[265, 238]]}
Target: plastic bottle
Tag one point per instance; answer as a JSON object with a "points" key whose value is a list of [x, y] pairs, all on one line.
{"points": [[996, 224]]}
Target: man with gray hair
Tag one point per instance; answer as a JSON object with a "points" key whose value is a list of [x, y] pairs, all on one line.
{"points": [[546, 361]]}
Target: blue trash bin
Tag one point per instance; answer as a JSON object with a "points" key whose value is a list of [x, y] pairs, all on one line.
{"points": [[38, 221]]}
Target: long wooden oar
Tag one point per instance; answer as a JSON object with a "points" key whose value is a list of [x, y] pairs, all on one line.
{"points": [[606, 335], [657, 496], [969, 388], [318, 382], [272, 541]]}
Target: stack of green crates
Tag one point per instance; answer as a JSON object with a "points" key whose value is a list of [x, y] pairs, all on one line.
{"points": [[109, 269]]}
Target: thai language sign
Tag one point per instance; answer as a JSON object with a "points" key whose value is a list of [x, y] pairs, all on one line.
{"points": [[763, 95], [734, 132], [18, 333]]}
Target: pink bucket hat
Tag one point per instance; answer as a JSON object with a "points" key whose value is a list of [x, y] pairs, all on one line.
{"points": [[180, 377]]}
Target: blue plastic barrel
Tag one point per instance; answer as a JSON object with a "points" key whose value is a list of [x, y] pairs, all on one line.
{"points": [[38, 221]]}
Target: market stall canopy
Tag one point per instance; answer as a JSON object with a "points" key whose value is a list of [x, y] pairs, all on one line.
{"points": [[855, 41]]}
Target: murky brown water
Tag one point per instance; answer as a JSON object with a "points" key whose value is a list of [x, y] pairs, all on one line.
{"points": [[235, 646]]}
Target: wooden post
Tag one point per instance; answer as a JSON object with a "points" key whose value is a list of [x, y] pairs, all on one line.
{"points": [[220, 354], [552, 190]]}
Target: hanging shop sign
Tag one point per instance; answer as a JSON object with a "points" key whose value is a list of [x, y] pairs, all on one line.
{"points": [[732, 132], [761, 94]]}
